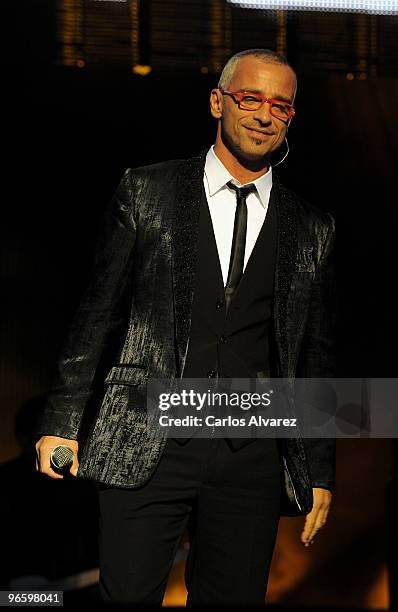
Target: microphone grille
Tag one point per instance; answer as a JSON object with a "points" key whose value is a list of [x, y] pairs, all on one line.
{"points": [[61, 456]]}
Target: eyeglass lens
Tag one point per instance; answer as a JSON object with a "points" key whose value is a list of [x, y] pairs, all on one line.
{"points": [[278, 109]]}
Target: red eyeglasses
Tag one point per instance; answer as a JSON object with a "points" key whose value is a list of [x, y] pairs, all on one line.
{"points": [[247, 100]]}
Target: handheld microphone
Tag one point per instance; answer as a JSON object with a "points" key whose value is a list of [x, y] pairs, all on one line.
{"points": [[61, 458]]}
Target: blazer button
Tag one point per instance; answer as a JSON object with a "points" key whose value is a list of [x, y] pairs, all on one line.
{"points": [[211, 374], [219, 304], [223, 339]]}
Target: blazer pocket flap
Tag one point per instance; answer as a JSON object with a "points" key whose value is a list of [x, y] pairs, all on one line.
{"points": [[127, 375]]}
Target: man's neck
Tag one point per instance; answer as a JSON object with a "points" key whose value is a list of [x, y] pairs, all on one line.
{"points": [[240, 172]]}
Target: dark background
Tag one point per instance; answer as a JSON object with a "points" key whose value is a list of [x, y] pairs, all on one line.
{"points": [[75, 114]]}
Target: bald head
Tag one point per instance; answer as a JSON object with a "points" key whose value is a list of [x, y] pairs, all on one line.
{"points": [[266, 55]]}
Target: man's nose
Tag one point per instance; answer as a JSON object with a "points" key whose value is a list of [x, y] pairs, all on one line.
{"points": [[263, 114]]}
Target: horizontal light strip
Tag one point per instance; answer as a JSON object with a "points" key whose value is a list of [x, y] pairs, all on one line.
{"points": [[374, 7]]}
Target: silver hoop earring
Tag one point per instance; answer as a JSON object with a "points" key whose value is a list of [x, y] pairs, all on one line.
{"points": [[284, 157]]}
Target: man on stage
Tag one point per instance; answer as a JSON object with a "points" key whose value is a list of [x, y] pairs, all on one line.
{"points": [[225, 273]]}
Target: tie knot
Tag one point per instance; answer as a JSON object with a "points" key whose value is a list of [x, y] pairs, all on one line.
{"points": [[242, 192]]}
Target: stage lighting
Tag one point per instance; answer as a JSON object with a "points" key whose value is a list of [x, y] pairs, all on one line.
{"points": [[372, 7]]}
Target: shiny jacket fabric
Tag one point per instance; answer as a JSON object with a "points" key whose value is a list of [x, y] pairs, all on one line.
{"points": [[133, 323]]}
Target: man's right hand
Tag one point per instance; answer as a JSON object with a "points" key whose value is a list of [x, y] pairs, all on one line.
{"points": [[44, 448]]}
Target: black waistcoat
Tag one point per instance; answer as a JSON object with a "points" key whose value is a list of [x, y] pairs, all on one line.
{"points": [[235, 344]]}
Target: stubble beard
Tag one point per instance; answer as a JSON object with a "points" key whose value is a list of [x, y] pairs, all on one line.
{"points": [[257, 141], [254, 162]]}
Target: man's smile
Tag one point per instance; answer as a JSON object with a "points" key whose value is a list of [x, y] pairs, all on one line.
{"points": [[262, 134]]}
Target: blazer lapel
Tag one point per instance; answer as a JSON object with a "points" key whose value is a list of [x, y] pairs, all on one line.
{"points": [[184, 248], [285, 264]]}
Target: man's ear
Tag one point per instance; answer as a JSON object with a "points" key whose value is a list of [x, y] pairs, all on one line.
{"points": [[216, 101]]}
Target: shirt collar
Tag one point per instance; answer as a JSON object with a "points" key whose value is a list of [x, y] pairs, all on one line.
{"points": [[217, 177]]}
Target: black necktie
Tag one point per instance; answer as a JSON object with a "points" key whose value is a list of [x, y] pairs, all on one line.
{"points": [[235, 271]]}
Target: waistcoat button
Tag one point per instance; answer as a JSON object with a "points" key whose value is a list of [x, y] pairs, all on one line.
{"points": [[223, 339], [211, 374], [219, 304]]}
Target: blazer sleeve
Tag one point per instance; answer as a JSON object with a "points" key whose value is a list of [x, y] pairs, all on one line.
{"points": [[317, 356], [95, 318]]}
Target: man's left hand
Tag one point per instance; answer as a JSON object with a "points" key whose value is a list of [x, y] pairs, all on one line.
{"points": [[316, 519]]}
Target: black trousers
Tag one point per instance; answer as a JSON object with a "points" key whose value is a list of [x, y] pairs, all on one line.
{"points": [[228, 499]]}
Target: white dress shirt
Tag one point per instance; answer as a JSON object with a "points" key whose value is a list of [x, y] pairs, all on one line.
{"points": [[222, 205]]}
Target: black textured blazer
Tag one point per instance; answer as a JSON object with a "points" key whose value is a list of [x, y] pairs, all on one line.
{"points": [[133, 323]]}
